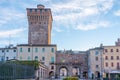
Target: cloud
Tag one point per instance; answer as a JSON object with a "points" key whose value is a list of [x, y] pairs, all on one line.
{"points": [[58, 29], [73, 12], [92, 25], [14, 32], [8, 15], [117, 13]]}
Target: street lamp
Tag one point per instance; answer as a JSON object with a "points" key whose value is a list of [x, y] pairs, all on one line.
{"points": [[109, 73]]}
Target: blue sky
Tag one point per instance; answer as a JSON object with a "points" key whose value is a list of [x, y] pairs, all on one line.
{"points": [[77, 24]]}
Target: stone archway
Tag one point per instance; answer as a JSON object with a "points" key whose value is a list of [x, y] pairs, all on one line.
{"points": [[63, 71]]}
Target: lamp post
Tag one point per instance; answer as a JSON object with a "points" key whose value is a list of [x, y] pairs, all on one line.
{"points": [[109, 73]]}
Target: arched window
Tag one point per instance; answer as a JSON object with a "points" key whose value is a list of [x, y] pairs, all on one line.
{"points": [[36, 58]]}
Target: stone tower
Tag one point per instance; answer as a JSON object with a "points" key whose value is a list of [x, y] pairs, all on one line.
{"points": [[40, 25]]}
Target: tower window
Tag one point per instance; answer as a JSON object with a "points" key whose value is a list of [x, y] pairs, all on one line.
{"points": [[30, 10], [35, 10]]}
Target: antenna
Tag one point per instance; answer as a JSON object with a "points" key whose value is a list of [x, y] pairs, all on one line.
{"points": [[9, 39]]}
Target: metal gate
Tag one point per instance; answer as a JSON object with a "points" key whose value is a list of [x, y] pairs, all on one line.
{"points": [[13, 71]]}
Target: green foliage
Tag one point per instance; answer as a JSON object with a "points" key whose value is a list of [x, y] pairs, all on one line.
{"points": [[28, 63], [17, 69], [71, 78]]}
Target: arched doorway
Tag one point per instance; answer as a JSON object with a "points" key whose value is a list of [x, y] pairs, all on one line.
{"points": [[97, 74], [75, 71], [85, 74], [51, 74], [63, 71]]}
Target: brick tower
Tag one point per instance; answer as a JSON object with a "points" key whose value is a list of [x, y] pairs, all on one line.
{"points": [[40, 25]]}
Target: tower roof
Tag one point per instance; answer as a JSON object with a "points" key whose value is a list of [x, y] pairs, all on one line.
{"points": [[40, 6]]}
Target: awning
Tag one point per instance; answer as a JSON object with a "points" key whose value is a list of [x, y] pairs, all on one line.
{"points": [[115, 71]]}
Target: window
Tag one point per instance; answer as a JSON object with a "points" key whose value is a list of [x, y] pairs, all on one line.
{"points": [[20, 58], [117, 57], [117, 50], [111, 50], [20, 49], [36, 49], [112, 64], [43, 58], [106, 64], [14, 57], [28, 58], [43, 49], [96, 52], [35, 10], [36, 58], [30, 10], [118, 64], [106, 57], [14, 50], [2, 58], [96, 58], [111, 57], [28, 49], [97, 66], [52, 59], [7, 58], [52, 67], [106, 50], [2, 50], [52, 50], [7, 51]]}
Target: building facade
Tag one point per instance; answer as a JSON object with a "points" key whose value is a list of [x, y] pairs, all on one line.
{"points": [[95, 62], [45, 54], [71, 63], [8, 53], [111, 60], [40, 25]]}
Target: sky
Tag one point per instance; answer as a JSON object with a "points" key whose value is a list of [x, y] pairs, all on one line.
{"points": [[77, 24]]}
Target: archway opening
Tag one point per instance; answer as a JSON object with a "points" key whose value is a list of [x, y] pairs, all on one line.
{"points": [[63, 71], [75, 71], [51, 74], [97, 73]]}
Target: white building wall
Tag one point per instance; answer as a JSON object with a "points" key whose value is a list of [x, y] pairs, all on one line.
{"points": [[47, 54], [8, 53]]}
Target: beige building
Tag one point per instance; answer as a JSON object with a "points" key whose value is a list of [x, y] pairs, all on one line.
{"points": [[43, 53], [40, 25], [95, 67], [111, 59]]}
